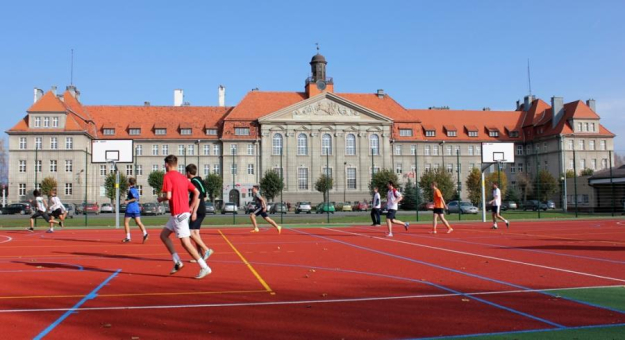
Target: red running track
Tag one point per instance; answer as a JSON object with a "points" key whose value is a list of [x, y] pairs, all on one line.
{"points": [[350, 283]]}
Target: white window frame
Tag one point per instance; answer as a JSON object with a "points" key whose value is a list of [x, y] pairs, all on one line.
{"points": [[326, 144], [241, 131], [165, 149], [154, 149], [351, 181], [22, 166], [350, 144], [374, 144], [22, 189], [250, 169], [69, 189], [69, 165], [277, 143], [302, 144], [23, 143], [160, 132], [206, 149], [250, 149], [405, 132], [302, 179], [53, 165], [186, 132], [37, 122]]}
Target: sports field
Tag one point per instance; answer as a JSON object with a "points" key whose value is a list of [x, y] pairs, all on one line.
{"points": [[550, 279]]}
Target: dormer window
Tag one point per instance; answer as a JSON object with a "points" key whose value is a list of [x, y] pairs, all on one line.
{"points": [[514, 134], [108, 132], [37, 121], [430, 133], [55, 122], [472, 133], [211, 132], [241, 131], [134, 132], [471, 130], [405, 132], [46, 122], [160, 131], [493, 131], [185, 132], [451, 131]]}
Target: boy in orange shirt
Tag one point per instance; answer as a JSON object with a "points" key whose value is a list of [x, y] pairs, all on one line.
{"points": [[439, 209]]}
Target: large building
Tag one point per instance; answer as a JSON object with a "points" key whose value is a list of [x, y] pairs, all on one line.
{"points": [[309, 133]]}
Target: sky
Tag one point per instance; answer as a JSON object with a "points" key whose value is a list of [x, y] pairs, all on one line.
{"points": [[461, 54]]}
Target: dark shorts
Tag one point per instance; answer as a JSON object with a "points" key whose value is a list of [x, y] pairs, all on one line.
{"points": [[57, 213], [197, 224], [495, 209], [439, 211], [260, 212], [391, 214], [132, 215], [41, 214]]}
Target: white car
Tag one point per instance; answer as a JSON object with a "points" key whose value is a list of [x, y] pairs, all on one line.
{"points": [[229, 208], [303, 207], [107, 208]]}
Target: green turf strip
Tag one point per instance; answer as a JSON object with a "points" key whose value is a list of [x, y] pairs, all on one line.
{"points": [[613, 297]]}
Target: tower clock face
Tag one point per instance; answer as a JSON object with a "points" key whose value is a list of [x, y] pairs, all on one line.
{"points": [[321, 85]]}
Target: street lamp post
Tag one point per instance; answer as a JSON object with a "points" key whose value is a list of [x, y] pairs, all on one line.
{"points": [[281, 188], [234, 214], [442, 144], [198, 154], [345, 183], [416, 183], [327, 207]]}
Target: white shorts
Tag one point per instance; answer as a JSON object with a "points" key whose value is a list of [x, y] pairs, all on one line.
{"points": [[180, 227]]}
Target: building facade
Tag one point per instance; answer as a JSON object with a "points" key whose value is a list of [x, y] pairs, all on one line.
{"points": [[349, 136]]}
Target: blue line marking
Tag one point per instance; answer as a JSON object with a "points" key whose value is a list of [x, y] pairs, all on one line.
{"points": [[442, 287], [520, 332], [87, 297]]}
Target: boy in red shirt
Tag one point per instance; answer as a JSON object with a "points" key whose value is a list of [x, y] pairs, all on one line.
{"points": [[439, 209], [176, 188]]}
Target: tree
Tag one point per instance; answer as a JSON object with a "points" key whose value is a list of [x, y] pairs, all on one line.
{"points": [[4, 163], [474, 186], [409, 202], [155, 180], [525, 185], [109, 186], [214, 185], [271, 184], [570, 173], [588, 172], [323, 185], [445, 184], [381, 179], [47, 185], [548, 185], [512, 195], [494, 177]]}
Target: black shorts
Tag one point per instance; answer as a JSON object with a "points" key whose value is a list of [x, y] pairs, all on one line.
{"points": [[260, 212], [197, 224], [41, 214], [57, 213], [495, 209], [439, 211], [390, 214]]}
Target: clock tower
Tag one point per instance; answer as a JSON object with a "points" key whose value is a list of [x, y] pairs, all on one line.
{"points": [[319, 82]]}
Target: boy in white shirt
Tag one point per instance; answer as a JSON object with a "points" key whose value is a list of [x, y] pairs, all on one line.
{"points": [[393, 197], [496, 206], [41, 208], [57, 210]]}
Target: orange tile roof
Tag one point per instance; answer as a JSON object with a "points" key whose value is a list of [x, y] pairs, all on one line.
{"points": [[150, 117], [257, 104], [386, 106], [48, 103]]}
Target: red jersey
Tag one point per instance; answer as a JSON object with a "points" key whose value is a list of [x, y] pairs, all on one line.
{"points": [[180, 187]]}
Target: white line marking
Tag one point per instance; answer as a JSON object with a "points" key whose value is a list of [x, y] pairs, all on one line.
{"points": [[299, 302], [483, 256], [9, 239]]}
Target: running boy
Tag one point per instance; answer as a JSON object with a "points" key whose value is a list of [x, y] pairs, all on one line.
{"points": [[41, 208], [261, 210], [133, 211], [57, 210], [195, 225], [439, 209], [393, 197], [496, 206], [176, 188]]}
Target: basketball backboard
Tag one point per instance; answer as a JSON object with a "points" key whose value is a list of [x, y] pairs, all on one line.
{"points": [[112, 150], [497, 152]]}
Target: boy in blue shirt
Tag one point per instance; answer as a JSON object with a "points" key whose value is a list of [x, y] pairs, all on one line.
{"points": [[133, 210]]}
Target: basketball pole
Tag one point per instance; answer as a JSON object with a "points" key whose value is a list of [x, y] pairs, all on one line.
{"points": [[116, 195], [484, 167]]}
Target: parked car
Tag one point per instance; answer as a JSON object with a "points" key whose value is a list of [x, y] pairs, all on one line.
{"points": [[323, 208], [534, 205], [16, 208], [503, 207], [107, 208], [345, 206], [303, 207], [71, 210], [509, 205], [270, 207], [551, 204], [80, 208], [249, 207], [229, 208], [151, 209], [278, 208], [426, 206], [461, 207], [91, 208], [166, 209], [360, 206], [210, 208]]}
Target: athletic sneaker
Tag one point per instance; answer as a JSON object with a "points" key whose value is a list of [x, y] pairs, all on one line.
{"points": [[507, 224], [49, 231], [203, 272], [31, 229], [494, 227], [177, 267], [207, 254], [406, 225], [389, 235], [373, 225], [145, 237], [126, 240]]}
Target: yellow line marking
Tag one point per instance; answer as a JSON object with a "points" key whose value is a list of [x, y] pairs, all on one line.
{"points": [[260, 279], [134, 294]]}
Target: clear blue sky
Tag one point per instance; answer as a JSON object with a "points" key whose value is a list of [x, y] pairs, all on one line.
{"points": [[464, 54]]}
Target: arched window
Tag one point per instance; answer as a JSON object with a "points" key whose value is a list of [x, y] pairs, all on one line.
{"points": [[350, 145], [326, 144], [302, 145], [374, 144], [277, 144]]}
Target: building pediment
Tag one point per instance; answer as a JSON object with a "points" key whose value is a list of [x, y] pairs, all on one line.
{"points": [[326, 108]]}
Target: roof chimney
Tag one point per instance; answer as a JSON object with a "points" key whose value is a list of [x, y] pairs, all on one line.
{"points": [[222, 96], [592, 104], [518, 105], [38, 94], [486, 108], [557, 105], [527, 102], [53, 89], [61, 97], [72, 90], [380, 93], [146, 103], [178, 97]]}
